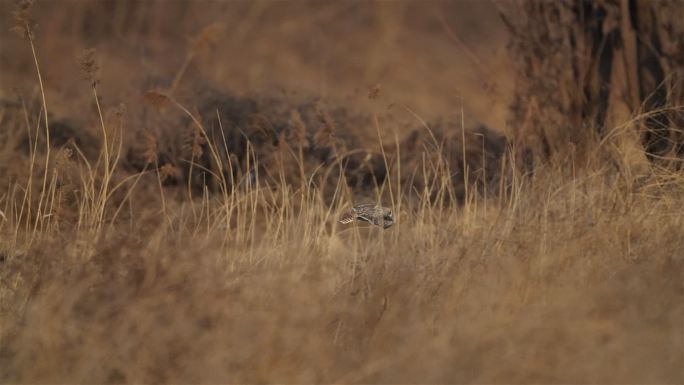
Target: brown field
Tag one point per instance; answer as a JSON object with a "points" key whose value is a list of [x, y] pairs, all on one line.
{"points": [[169, 204]]}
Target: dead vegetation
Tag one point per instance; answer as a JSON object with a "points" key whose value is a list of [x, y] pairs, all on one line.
{"points": [[191, 236]]}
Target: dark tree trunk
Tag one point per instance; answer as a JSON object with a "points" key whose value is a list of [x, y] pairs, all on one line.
{"points": [[587, 68]]}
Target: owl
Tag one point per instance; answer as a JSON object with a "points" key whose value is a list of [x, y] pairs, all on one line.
{"points": [[375, 215]]}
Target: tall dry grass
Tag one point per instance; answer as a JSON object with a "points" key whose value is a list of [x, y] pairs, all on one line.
{"points": [[553, 275], [560, 278]]}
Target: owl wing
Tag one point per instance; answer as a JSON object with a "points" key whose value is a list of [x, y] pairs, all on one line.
{"points": [[371, 218], [365, 212], [348, 218]]}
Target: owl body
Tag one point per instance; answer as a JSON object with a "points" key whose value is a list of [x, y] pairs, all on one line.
{"points": [[373, 214]]}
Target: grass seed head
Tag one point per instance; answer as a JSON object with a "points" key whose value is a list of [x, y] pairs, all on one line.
{"points": [[374, 92], [206, 38], [298, 130], [89, 68], [150, 150], [24, 24], [156, 99], [325, 136], [169, 172]]}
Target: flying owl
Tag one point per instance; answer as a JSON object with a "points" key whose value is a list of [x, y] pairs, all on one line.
{"points": [[375, 215]]}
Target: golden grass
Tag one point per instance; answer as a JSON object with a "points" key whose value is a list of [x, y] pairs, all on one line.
{"points": [[562, 274], [562, 278]]}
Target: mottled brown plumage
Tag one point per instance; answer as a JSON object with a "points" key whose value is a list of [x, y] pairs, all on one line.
{"points": [[373, 214]]}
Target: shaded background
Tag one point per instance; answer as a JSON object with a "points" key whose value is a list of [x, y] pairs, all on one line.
{"points": [[433, 56]]}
